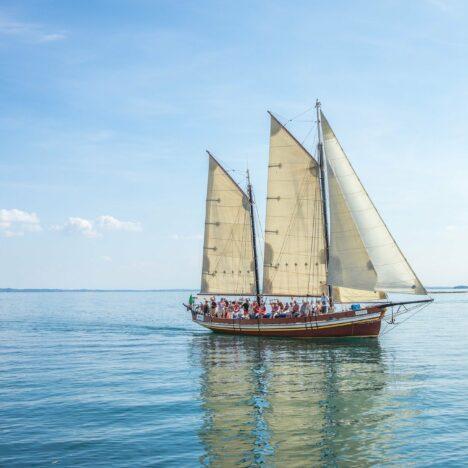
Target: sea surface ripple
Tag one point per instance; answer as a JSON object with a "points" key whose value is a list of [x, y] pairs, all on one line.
{"points": [[126, 379]]}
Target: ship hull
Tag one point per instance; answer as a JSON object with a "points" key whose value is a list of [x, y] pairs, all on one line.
{"points": [[350, 324]]}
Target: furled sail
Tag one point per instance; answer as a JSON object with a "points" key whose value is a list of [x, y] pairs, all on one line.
{"points": [[228, 263], [363, 253], [342, 295], [294, 256]]}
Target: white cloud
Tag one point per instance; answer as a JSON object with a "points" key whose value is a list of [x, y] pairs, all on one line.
{"points": [[75, 225], [92, 229], [17, 222], [109, 223], [106, 258]]}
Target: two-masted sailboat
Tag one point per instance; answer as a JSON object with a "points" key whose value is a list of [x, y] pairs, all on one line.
{"points": [[323, 235]]}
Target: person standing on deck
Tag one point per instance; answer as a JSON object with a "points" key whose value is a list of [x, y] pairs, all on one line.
{"points": [[318, 307], [295, 309], [213, 306], [246, 306], [324, 301], [191, 300], [303, 309]]}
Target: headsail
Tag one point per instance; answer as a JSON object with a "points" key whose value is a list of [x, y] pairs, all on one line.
{"points": [[228, 263], [294, 257], [363, 253], [350, 264]]}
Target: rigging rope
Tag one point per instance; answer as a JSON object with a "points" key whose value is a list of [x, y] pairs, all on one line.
{"points": [[417, 308], [301, 114]]}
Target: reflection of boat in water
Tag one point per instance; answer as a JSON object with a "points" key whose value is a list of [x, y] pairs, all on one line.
{"points": [[289, 402], [323, 235]]}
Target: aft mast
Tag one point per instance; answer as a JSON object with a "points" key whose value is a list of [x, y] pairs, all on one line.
{"points": [[254, 240], [322, 167]]}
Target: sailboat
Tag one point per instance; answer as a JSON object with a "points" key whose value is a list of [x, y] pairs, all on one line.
{"points": [[323, 235]]}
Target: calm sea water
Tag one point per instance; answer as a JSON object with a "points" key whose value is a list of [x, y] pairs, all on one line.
{"points": [[125, 379]]}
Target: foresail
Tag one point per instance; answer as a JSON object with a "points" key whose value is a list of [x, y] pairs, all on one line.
{"points": [[228, 264], [294, 256], [349, 263], [363, 253]]}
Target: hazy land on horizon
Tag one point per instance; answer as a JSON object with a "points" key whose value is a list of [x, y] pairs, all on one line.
{"points": [[429, 288]]}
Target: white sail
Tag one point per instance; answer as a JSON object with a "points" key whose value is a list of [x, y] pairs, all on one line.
{"points": [[294, 257], [349, 262], [228, 263], [363, 253]]}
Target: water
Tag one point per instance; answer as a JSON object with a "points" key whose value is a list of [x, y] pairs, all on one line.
{"points": [[125, 379]]}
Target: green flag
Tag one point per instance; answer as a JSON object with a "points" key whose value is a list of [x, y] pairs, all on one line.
{"points": [[191, 300]]}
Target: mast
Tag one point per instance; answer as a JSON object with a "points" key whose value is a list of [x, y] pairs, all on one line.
{"points": [[254, 241], [322, 166]]}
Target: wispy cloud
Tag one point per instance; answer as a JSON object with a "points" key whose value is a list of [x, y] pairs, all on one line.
{"points": [[109, 223], [96, 228], [17, 222], [442, 5], [459, 231], [31, 32], [52, 37]]}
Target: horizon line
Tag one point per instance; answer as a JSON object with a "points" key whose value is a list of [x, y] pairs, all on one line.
{"points": [[433, 289], [92, 290]]}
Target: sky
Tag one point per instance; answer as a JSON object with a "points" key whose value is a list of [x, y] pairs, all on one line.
{"points": [[107, 107]]}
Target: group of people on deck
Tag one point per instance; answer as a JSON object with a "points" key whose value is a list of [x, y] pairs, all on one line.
{"points": [[247, 309]]}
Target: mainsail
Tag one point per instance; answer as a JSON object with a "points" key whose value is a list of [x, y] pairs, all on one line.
{"points": [[363, 253], [294, 256], [228, 262]]}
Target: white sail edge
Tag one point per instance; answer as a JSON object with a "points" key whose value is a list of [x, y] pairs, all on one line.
{"points": [[393, 274]]}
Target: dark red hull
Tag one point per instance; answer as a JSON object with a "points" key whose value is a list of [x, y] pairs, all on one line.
{"points": [[364, 324]]}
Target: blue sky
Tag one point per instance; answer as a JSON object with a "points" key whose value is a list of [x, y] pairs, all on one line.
{"points": [[107, 108]]}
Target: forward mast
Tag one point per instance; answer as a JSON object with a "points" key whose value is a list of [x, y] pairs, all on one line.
{"points": [[254, 240]]}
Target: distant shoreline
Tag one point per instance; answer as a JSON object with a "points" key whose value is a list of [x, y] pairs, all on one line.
{"points": [[435, 290], [19, 290], [452, 291]]}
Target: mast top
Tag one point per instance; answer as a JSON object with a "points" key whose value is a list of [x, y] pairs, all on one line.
{"points": [[318, 104], [225, 172]]}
